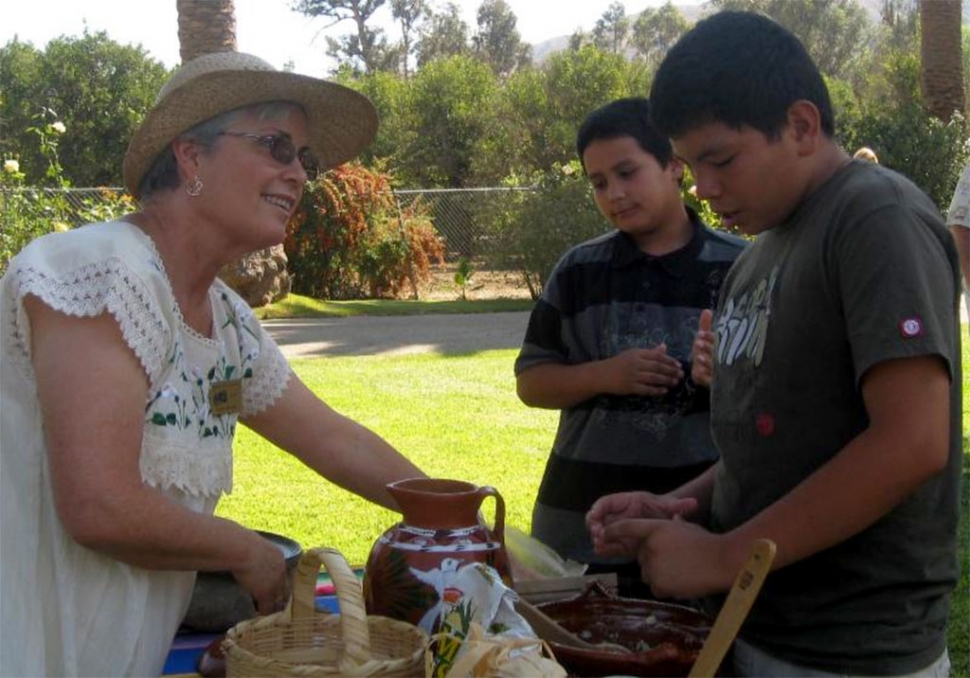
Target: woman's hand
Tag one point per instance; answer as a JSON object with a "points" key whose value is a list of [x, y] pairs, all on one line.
{"points": [[263, 576], [702, 351]]}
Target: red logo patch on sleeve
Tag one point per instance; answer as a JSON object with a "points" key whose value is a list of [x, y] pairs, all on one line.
{"points": [[911, 327]]}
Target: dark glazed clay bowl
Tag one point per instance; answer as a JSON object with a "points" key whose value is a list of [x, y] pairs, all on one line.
{"points": [[665, 638], [219, 603]]}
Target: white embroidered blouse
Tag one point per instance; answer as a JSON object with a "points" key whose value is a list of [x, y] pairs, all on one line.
{"points": [[64, 609]]}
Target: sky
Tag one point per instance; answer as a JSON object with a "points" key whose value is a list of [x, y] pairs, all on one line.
{"points": [[267, 28]]}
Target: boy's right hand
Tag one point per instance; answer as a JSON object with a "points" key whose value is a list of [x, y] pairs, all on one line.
{"points": [[631, 505], [642, 371]]}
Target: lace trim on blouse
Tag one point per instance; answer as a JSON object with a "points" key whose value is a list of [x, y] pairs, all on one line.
{"points": [[201, 470], [268, 384], [89, 291]]}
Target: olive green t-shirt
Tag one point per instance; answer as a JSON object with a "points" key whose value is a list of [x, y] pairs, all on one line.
{"points": [[863, 272]]}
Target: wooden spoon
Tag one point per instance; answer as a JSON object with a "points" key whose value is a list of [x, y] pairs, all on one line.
{"points": [[736, 607], [550, 630]]}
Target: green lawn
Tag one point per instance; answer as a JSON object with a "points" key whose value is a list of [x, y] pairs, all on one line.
{"points": [[458, 417]]}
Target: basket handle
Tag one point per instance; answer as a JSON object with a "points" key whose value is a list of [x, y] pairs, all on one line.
{"points": [[353, 616]]}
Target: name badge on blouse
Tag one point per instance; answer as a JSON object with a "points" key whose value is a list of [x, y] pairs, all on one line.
{"points": [[225, 397]]}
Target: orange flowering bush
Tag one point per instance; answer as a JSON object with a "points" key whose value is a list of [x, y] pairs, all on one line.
{"points": [[350, 239]]}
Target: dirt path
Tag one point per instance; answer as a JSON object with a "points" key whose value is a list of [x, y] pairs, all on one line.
{"points": [[387, 335]]}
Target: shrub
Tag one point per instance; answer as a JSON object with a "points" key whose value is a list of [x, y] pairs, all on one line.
{"points": [[906, 138], [531, 229], [27, 212], [350, 239], [929, 152]]}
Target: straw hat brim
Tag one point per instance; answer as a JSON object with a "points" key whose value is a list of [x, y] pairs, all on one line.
{"points": [[340, 121]]}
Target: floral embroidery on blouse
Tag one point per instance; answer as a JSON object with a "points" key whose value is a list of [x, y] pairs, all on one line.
{"points": [[183, 402]]}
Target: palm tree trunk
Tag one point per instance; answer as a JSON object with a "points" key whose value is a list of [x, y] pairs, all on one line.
{"points": [[206, 26], [941, 72]]}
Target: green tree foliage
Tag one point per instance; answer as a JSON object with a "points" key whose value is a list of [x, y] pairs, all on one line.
{"points": [[408, 14], [391, 95], [366, 49], [656, 30], [497, 41], [445, 35], [20, 68], [350, 240], [98, 88], [612, 29], [835, 32], [450, 104], [539, 110]]}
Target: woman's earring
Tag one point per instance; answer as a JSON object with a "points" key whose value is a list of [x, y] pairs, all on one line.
{"points": [[194, 188]]}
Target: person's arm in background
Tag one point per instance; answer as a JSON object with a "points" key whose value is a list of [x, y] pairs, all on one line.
{"points": [[961, 235], [958, 219]]}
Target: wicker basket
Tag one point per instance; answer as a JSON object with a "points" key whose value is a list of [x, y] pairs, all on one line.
{"points": [[300, 641]]}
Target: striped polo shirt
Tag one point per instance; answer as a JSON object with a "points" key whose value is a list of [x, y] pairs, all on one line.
{"points": [[603, 297]]}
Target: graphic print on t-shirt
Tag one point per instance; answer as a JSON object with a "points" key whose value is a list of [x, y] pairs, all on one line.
{"points": [[741, 328]]}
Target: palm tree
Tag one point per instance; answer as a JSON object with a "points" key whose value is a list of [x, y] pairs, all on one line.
{"points": [[941, 73], [206, 26]]}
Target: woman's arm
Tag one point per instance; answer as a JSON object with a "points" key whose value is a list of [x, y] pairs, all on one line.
{"points": [[336, 447], [92, 390]]}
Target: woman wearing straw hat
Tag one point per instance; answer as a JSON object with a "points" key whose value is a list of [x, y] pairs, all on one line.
{"points": [[127, 365]]}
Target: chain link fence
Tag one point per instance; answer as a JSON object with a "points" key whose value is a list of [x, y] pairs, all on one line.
{"points": [[456, 213]]}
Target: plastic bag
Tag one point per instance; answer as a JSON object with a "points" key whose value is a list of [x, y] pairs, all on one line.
{"points": [[531, 559], [482, 634]]}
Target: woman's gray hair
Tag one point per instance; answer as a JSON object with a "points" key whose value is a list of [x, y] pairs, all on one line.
{"points": [[164, 173]]}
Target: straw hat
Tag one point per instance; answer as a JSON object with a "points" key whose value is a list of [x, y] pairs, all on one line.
{"points": [[341, 122]]}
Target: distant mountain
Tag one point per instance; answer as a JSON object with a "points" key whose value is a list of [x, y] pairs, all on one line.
{"points": [[692, 12]]}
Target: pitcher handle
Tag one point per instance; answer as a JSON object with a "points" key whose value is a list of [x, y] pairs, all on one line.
{"points": [[499, 529]]}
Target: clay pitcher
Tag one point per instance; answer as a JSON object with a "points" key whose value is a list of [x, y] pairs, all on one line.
{"points": [[411, 565]]}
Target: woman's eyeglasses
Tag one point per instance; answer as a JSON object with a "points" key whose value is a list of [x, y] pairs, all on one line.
{"points": [[282, 150]]}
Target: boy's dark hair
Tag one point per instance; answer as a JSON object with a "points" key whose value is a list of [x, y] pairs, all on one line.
{"points": [[624, 118], [737, 68]]}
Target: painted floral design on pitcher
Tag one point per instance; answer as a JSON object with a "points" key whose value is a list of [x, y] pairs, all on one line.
{"points": [[412, 567]]}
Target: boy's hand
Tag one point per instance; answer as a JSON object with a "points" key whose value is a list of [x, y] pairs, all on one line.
{"points": [[677, 559], [626, 506], [642, 371], [702, 351]]}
